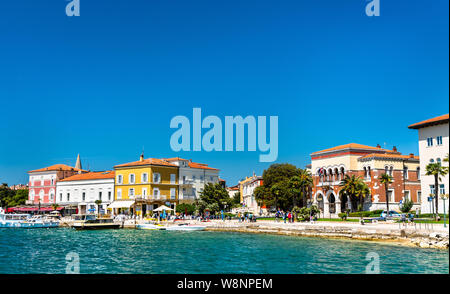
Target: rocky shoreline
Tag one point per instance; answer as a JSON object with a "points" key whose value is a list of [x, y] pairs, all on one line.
{"points": [[388, 234]]}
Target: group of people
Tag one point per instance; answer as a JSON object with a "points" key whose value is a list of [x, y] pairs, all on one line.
{"points": [[287, 216], [246, 217]]}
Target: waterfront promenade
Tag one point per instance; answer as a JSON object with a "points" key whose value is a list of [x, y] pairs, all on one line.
{"points": [[420, 235]]}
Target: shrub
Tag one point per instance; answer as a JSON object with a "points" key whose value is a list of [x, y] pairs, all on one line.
{"points": [[343, 215], [406, 206]]}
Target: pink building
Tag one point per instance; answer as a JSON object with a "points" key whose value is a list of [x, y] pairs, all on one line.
{"points": [[42, 184]]}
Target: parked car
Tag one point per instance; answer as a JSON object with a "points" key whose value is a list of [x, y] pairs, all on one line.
{"points": [[392, 214]]}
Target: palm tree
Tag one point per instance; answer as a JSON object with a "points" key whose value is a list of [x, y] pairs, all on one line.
{"points": [[355, 187], [98, 202], [276, 190], [55, 206], [386, 179], [306, 181], [436, 170]]}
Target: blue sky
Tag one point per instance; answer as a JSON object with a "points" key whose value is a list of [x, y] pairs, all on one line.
{"points": [[107, 83]]}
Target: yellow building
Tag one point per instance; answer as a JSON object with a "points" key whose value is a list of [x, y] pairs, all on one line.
{"points": [[144, 185]]}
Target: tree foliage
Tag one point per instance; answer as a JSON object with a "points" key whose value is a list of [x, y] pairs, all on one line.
{"points": [[214, 198], [11, 198], [355, 188]]}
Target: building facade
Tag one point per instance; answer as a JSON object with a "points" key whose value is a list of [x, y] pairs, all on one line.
{"points": [[248, 197], [329, 167], [193, 177], [144, 185], [83, 190], [433, 148], [42, 182]]}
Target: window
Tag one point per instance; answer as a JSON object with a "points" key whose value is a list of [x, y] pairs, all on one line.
{"points": [[60, 197], [441, 189], [418, 172], [405, 172], [53, 182], [144, 177], [131, 192], [156, 192], [156, 178], [83, 196], [391, 196], [438, 160], [432, 189], [109, 195], [68, 197], [201, 178], [172, 178], [431, 160], [407, 197], [131, 179], [172, 193], [144, 192], [419, 196], [119, 193], [119, 179], [439, 140], [429, 142], [99, 195]]}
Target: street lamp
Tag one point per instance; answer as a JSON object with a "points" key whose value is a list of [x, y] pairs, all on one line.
{"points": [[444, 197]]}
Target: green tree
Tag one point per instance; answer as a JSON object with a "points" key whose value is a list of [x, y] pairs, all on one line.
{"points": [[237, 198], [386, 179], [214, 197], [277, 180], [186, 208], [355, 188], [262, 196], [436, 170]]}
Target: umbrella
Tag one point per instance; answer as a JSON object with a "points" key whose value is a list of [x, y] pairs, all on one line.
{"points": [[163, 207]]}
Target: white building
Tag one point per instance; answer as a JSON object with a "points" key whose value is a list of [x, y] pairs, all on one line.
{"points": [[248, 196], [82, 190], [193, 177], [433, 147]]}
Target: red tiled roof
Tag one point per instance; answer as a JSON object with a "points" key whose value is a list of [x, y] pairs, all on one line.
{"points": [[200, 165], [148, 161], [56, 167], [386, 155], [90, 176], [352, 146], [430, 122]]}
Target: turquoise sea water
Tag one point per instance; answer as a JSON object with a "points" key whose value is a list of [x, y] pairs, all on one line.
{"points": [[161, 252]]}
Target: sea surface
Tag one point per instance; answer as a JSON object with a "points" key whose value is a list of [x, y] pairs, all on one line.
{"points": [[25, 251]]}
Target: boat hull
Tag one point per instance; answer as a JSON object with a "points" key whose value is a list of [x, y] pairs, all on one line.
{"points": [[95, 226], [20, 225], [149, 227], [186, 228]]}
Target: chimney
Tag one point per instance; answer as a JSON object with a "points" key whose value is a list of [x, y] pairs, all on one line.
{"points": [[394, 149], [378, 146], [141, 158], [411, 155]]}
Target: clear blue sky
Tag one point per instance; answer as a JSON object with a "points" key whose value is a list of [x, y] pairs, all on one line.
{"points": [[107, 83]]}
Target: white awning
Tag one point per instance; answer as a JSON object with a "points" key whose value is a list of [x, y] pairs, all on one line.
{"points": [[121, 204]]}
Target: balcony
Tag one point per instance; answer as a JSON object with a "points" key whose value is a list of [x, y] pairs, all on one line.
{"points": [[187, 183]]}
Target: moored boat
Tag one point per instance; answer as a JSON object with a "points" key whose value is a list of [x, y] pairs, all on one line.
{"points": [[186, 227], [150, 227], [91, 222], [26, 221]]}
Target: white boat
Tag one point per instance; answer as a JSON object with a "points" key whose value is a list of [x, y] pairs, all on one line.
{"points": [[150, 227], [25, 221], [186, 227], [91, 222]]}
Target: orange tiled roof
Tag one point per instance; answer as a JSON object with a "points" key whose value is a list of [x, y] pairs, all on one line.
{"points": [[200, 165], [430, 122], [175, 159], [352, 146], [91, 176], [148, 161], [386, 155], [57, 167]]}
